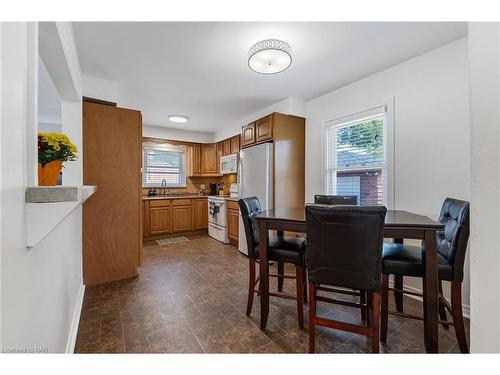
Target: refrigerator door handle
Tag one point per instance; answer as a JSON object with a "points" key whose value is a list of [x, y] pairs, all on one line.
{"points": [[240, 177]]}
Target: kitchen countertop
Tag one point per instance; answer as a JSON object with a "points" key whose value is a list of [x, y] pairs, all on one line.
{"points": [[184, 196]]}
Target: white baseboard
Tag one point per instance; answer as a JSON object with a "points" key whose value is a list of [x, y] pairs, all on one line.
{"points": [[70, 346], [465, 308]]}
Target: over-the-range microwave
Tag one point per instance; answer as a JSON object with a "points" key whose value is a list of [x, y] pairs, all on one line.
{"points": [[229, 164]]}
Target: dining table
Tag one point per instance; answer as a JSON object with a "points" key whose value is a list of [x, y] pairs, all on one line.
{"points": [[398, 225]]}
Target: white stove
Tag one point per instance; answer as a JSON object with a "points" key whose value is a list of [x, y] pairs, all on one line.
{"points": [[217, 218]]}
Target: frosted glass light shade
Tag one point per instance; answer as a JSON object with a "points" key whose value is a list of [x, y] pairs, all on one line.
{"points": [[270, 56]]}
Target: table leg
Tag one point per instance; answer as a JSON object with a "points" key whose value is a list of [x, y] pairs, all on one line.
{"points": [[431, 302], [263, 275]]}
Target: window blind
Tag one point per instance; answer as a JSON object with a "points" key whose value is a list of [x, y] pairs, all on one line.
{"points": [[164, 163], [355, 157]]}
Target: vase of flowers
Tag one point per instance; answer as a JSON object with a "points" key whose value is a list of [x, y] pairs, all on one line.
{"points": [[53, 150]]}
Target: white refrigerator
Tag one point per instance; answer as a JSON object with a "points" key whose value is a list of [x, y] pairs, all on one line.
{"points": [[255, 178]]}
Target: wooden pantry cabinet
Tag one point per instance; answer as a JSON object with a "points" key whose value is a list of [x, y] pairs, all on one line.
{"points": [[112, 224]]}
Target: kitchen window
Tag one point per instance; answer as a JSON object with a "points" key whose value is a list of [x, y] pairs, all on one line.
{"points": [[164, 162], [357, 157]]}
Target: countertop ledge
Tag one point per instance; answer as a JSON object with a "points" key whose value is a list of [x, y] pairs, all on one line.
{"points": [[47, 206], [55, 194]]}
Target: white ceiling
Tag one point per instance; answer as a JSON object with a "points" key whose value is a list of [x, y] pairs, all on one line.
{"points": [[199, 69]]}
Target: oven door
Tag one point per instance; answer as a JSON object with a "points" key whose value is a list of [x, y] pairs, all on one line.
{"points": [[219, 216]]}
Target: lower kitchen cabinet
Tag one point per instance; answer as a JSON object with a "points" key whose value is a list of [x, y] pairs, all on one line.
{"points": [[233, 222], [160, 220], [181, 218], [167, 216], [201, 214]]}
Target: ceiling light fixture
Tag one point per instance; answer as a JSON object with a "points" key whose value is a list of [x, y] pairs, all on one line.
{"points": [[178, 118], [270, 56]]}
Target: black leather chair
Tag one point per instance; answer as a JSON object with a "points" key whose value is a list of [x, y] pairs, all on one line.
{"points": [[280, 249], [331, 200], [404, 260], [354, 262]]}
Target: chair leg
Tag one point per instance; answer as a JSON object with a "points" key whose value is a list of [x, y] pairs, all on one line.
{"points": [[281, 271], [299, 283], [304, 279], [375, 298], [398, 296], [384, 319], [251, 284], [458, 319], [312, 317], [362, 300], [442, 310], [369, 302]]}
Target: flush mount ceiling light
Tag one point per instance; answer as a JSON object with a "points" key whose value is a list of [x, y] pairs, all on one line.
{"points": [[269, 56], [178, 118]]}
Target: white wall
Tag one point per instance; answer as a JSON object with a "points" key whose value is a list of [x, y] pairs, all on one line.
{"points": [[176, 134], [431, 129], [484, 55], [99, 88], [41, 287]]}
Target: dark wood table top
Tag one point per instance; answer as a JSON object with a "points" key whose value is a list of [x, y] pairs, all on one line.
{"points": [[393, 218]]}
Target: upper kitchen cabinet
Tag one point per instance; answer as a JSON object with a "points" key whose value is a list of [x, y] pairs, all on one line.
{"points": [[204, 160], [226, 147], [235, 144], [209, 159], [248, 135], [195, 156], [264, 129]]}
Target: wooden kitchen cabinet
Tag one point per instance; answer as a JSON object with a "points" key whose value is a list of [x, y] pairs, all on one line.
{"points": [[233, 222], [226, 147], [196, 157], [264, 129], [160, 220], [180, 215], [201, 214], [235, 144], [181, 218], [209, 160], [248, 135], [204, 160]]}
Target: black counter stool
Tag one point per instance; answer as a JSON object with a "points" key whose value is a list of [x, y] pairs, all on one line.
{"points": [[280, 249], [404, 260], [344, 248]]}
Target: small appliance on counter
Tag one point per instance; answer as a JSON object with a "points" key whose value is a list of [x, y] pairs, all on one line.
{"points": [[233, 190], [213, 189], [220, 188]]}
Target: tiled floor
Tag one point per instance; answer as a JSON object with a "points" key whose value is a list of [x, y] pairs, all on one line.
{"points": [[191, 298]]}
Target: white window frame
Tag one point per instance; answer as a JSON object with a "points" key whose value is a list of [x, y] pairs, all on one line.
{"points": [[165, 147], [358, 114]]}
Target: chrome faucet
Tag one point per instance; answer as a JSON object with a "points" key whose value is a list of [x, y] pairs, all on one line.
{"points": [[164, 186]]}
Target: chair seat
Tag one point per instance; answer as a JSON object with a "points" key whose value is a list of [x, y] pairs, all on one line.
{"points": [[399, 259], [286, 249]]}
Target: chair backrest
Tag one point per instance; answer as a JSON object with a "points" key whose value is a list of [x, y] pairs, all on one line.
{"points": [[336, 199], [250, 207], [344, 245], [452, 241]]}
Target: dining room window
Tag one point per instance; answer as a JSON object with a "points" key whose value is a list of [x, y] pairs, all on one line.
{"points": [[164, 162], [356, 157]]}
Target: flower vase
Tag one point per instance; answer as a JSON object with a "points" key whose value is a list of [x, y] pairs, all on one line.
{"points": [[47, 175]]}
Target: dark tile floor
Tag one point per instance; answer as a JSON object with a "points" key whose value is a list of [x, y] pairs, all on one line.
{"points": [[191, 298]]}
